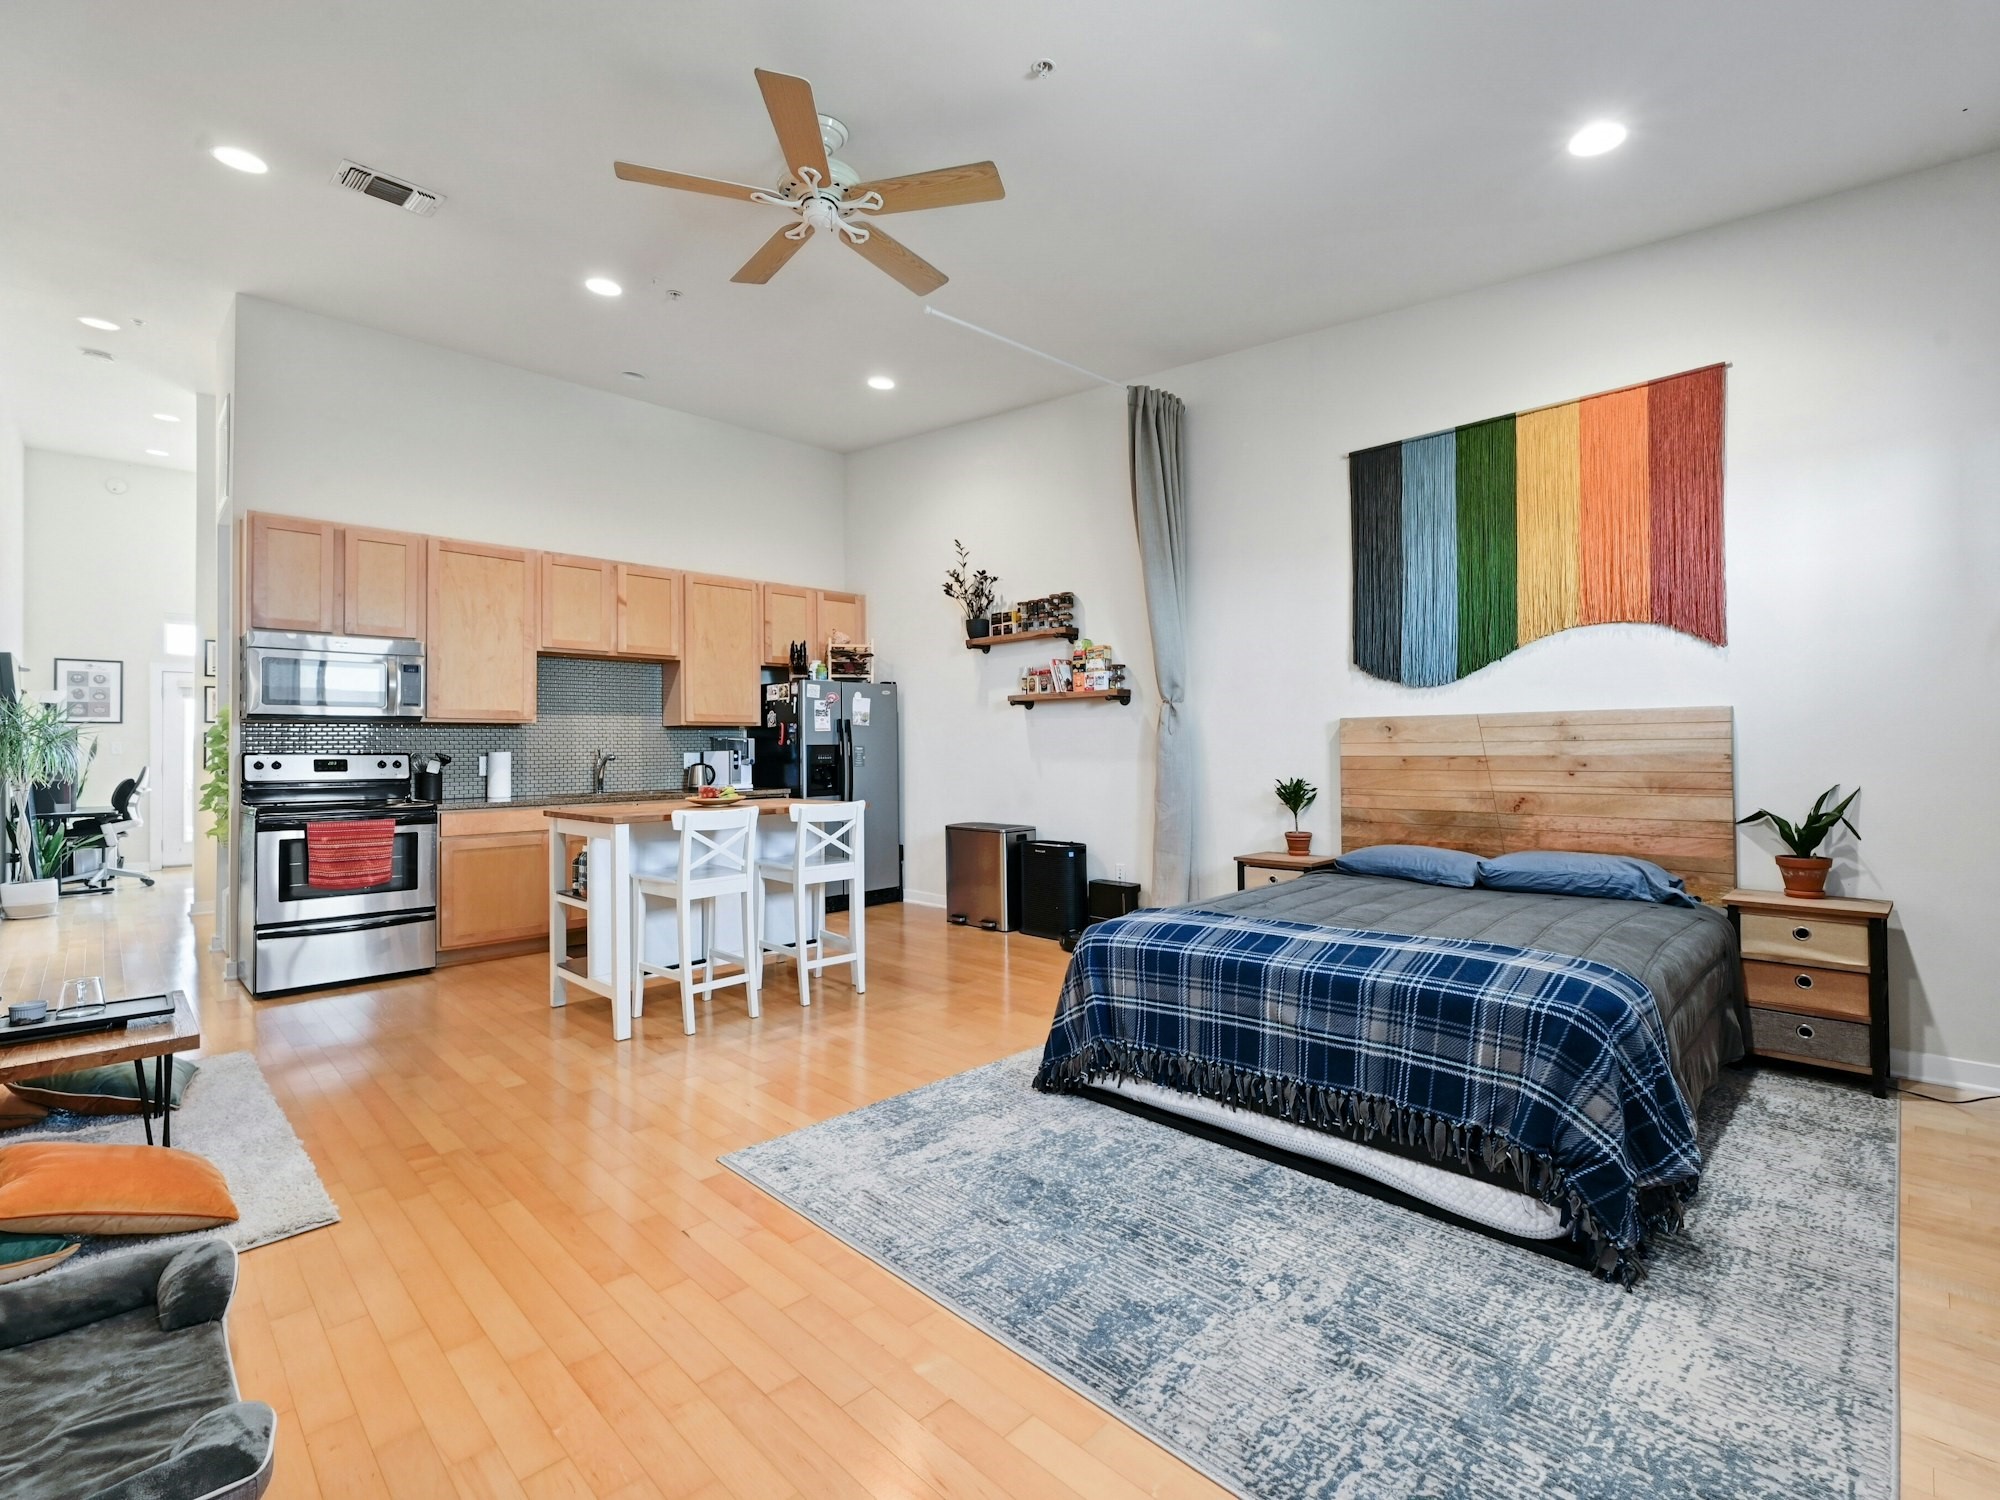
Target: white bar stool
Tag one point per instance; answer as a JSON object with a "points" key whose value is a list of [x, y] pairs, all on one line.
{"points": [[823, 847], [715, 862]]}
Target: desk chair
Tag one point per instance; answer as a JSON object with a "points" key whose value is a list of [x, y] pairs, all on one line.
{"points": [[109, 834]]}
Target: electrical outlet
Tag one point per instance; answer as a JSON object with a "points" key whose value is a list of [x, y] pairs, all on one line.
{"points": [[1121, 870]]}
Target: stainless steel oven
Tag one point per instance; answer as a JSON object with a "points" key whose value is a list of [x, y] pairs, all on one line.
{"points": [[288, 675], [303, 935]]}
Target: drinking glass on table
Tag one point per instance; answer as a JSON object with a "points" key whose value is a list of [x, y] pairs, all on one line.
{"points": [[81, 996]]}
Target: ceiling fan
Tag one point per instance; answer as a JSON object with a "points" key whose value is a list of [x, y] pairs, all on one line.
{"points": [[824, 193]]}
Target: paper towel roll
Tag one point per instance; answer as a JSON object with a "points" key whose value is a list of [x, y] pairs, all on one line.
{"points": [[499, 776]]}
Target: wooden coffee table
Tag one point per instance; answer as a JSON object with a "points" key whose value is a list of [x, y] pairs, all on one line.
{"points": [[96, 1049]]}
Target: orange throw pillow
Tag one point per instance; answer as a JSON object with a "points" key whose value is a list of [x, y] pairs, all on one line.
{"points": [[79, 1187]]}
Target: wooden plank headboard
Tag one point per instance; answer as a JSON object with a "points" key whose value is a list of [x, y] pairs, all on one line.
{"points": [[1655, 782]]}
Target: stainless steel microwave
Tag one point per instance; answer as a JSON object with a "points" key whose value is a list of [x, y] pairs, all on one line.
{"points": [[291, 676]]}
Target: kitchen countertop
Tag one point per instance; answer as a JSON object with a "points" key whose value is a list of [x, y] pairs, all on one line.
{"points": [[586, 799], [613, 810]]}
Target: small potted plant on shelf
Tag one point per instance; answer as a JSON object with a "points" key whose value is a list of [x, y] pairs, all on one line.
{"points": [[1804, 869], [1298, 794], [972, 588], [37, 747]]}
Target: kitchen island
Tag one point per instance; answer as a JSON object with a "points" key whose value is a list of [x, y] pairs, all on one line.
{"points": [[618, 834]]}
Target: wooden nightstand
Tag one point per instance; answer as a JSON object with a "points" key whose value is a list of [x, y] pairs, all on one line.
{"points": [[1817, 974], [1276, 867]]}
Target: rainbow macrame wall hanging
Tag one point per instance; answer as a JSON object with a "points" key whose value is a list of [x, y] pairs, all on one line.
{"points": [[1471, 543]]}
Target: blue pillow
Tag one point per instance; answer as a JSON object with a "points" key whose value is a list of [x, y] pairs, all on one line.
{"points": [[1412, 862], [1614, 877]]}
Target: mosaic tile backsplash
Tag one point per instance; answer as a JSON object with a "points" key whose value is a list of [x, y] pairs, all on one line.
{"points": [[582, 707]]}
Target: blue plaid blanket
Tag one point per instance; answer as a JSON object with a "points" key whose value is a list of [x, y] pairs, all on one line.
{"points": [[1550, 1070]]}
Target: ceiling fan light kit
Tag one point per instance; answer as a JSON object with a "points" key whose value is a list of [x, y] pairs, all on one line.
{"points": [[825, 195]]}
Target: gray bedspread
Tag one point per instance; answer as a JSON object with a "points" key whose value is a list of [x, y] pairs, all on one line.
{"points": [[1686, 956]]}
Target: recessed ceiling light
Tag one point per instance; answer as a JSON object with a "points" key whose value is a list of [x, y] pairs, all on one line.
{"points": [[241, 160], [1596, 138], [604, 286], [881, 383], [165, 416], [156, 453], [104, 325]]}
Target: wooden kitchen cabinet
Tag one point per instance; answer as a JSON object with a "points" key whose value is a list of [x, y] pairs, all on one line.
{"points": [[382, 582], [484, 610], [294, 575], [845, 613], [492, 888], [649, 611], [788, 617], [579, 605], [723, 647]]}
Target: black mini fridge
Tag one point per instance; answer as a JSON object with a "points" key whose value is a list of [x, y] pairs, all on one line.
{"points": [[1054, 888]]}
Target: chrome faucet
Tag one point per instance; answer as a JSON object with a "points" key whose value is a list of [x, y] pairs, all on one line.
{"points": [[600, 765]]}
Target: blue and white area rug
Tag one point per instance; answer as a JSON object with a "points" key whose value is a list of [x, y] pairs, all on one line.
{"points": [[1289, 1337]]}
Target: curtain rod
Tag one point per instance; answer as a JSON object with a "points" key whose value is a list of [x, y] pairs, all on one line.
{"points": [[1024, 348], [1529, 411]]}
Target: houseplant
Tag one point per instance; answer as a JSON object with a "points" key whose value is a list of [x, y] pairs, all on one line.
{"points": [[37, 747], [972, 588], [1804, 869], [1298, 794], [213, 798]]}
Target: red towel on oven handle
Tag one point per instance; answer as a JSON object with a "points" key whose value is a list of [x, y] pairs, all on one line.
{"points": [[350, 854]]}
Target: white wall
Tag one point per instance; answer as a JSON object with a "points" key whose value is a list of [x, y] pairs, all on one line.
{"points": [[13, 540], [1863, 515], [104, 574], [1040, 497], [345, 423]]}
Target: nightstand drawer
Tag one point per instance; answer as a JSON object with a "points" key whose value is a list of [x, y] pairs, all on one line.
{"points": [[1838, 993], [1813, 1038], [1269, 877], [1805, 940]]}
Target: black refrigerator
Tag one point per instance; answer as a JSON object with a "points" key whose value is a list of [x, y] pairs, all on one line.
{"points": [[843, 741]]}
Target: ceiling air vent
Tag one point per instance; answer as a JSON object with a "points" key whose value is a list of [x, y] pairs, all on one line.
{"points": [[403, 194]]}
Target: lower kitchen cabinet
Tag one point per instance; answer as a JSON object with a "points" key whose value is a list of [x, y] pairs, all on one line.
{"points": [[494, 887]]}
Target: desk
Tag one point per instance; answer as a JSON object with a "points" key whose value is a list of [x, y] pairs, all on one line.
{"points": [[96, 1049]]}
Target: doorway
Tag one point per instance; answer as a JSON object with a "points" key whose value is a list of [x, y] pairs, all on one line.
{"points": [[176, 731]]}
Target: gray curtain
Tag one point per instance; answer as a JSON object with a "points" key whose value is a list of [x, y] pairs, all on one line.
{"points": [[1159, 508]]}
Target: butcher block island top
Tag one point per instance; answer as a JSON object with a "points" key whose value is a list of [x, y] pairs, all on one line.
{"points": [[660, 809]]}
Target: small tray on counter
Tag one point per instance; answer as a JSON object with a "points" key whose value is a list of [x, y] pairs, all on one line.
{"points": [[113, 1015]]}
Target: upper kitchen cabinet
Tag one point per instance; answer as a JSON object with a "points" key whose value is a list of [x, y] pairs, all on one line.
{"points": [[846, 614], [294, 575], [485, 610], [718, 680], [382, 583], [579, 605], [649, 611], [788, 617]]}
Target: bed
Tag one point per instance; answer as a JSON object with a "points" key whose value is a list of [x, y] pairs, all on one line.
{"points": [[1527, 1064]]}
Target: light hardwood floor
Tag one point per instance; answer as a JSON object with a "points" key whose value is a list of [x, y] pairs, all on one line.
{"points": [[543, 1283]]}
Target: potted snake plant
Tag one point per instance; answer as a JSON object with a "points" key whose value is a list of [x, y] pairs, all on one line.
{"points": [[1804, 869]]}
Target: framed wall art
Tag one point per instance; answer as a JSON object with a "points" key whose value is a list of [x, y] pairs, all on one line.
{"points": [[92, 692]]}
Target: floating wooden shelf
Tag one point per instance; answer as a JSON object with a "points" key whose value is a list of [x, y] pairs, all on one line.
{"points": [[984, 643], [1114, 695]]}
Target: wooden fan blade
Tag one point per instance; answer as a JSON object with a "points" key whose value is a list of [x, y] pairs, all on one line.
{"points": [[901, 262], [681, 180], [975, 182], [762, 266], [789, 101]]}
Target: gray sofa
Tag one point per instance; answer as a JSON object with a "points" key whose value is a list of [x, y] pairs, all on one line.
{"points": [[116, 1383]]}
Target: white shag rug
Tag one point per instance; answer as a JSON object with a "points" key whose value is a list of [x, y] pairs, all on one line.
{"points": [[229, 1115]]}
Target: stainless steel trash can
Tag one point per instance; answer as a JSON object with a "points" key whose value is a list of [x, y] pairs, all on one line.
{"points": [[982, 874]]}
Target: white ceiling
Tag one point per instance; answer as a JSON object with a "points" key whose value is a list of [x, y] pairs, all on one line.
{"points": [[1194, 177]]}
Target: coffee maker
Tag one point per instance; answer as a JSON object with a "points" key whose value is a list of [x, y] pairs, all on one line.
{"points": [[739, 768]]}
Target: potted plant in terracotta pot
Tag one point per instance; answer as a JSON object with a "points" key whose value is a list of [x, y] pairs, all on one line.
{"points": [[37, 748], [1804, 869], [1298, 794], [972, 588]]}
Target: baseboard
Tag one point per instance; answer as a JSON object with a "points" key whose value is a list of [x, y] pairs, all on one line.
{"points": [[202, 909], [922, 898], [1935, 1067]]}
